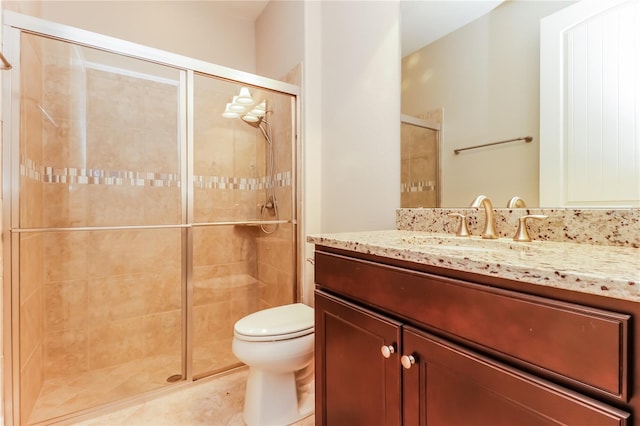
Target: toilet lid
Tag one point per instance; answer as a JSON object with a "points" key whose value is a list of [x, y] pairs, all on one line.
{"points": [[283, 321]]}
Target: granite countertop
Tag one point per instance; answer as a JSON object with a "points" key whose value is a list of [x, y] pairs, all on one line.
{"points": [[609, 271]]}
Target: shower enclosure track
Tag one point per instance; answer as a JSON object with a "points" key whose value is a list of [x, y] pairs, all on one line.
{"points": [[134, 227]]}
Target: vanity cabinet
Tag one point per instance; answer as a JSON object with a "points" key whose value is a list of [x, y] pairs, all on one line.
{"points": [[396, 345], [360, 385]]}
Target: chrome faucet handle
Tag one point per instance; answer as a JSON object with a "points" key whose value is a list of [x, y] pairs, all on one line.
{"points": [[463, 230], [522, 234]]}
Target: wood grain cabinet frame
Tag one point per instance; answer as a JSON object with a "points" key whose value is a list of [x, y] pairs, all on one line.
{"points": [[544, 341]]}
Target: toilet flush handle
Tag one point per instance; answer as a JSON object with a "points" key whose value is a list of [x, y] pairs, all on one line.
{"points": [[387, 350]]}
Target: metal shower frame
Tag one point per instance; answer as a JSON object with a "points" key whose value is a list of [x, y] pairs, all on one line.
{"points": [[14, 24]]}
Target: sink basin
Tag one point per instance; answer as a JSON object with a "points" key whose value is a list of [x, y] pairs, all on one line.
{"points": [[476, 244]]}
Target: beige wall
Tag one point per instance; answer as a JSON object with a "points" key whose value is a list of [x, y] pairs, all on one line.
{"points": [[351, 110], [280, 38], [486, 78], [192, 28], [360, 115]]}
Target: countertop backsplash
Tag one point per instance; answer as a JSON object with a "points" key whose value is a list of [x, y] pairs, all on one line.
{"points": [[611, 227]]}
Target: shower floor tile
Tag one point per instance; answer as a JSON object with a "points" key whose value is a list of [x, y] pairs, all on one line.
{"points": [[65, 395], [212, 402]]}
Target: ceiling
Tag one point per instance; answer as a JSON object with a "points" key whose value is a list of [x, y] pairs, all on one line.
{"points": [[249, 9], [425, 21], [422, 21]]}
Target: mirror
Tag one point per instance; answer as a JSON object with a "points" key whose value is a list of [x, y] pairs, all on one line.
{"points": [[485, 79]]}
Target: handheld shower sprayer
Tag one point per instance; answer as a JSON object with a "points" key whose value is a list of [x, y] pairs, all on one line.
{"points": [[255, 117], [259, 123], [252, 120], [270, 206]]}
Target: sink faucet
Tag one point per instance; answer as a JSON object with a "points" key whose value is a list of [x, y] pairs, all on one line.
{"points": [[489, 231], [516, 202]]}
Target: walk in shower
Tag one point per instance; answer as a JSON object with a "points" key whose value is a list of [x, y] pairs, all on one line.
{"points": [[139, 222]]}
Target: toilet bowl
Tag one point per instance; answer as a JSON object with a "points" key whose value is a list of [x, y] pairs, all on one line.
{"points": [[277, 345]]}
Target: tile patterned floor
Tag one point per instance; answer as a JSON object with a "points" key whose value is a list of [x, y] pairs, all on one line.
{"points": [[60, 396], [214, 402]]}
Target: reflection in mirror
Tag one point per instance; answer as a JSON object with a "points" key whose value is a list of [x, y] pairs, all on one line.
{"points": [[419, 171], [485, 78]]}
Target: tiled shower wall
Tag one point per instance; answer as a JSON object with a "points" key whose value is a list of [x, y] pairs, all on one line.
{"points": [[276, 254], [94, 299], [107, 297], [238, 269]]}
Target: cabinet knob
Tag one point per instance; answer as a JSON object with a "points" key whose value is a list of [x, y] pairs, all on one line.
{"points": [[387, 350], [407, 361]]}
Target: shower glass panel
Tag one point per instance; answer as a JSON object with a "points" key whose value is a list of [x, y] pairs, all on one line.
{"points": [[419, 169], [243, 209], [111, 313], [100, 277], [99, 135], [140, 222]]}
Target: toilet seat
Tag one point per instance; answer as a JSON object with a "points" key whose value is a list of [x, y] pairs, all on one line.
{"points": [[279, 323]]}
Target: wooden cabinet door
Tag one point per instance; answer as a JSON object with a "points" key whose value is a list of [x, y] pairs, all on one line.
{"points": [[355, 384], [449, 385]]}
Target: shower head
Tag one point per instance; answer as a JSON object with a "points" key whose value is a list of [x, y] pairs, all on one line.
{"points": [[252, 120], [259, 123]]}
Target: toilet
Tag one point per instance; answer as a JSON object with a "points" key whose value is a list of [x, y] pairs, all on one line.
{"points": [[277, 345]]}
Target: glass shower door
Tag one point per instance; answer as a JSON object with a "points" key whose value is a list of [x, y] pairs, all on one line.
{"points": [[243, 209], [419, 166], [140, 224], [99, 231]]}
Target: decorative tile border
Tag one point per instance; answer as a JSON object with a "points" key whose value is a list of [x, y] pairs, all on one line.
{"points": [[226, 182], [79, 176], [422, 186], [75, 175]]}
